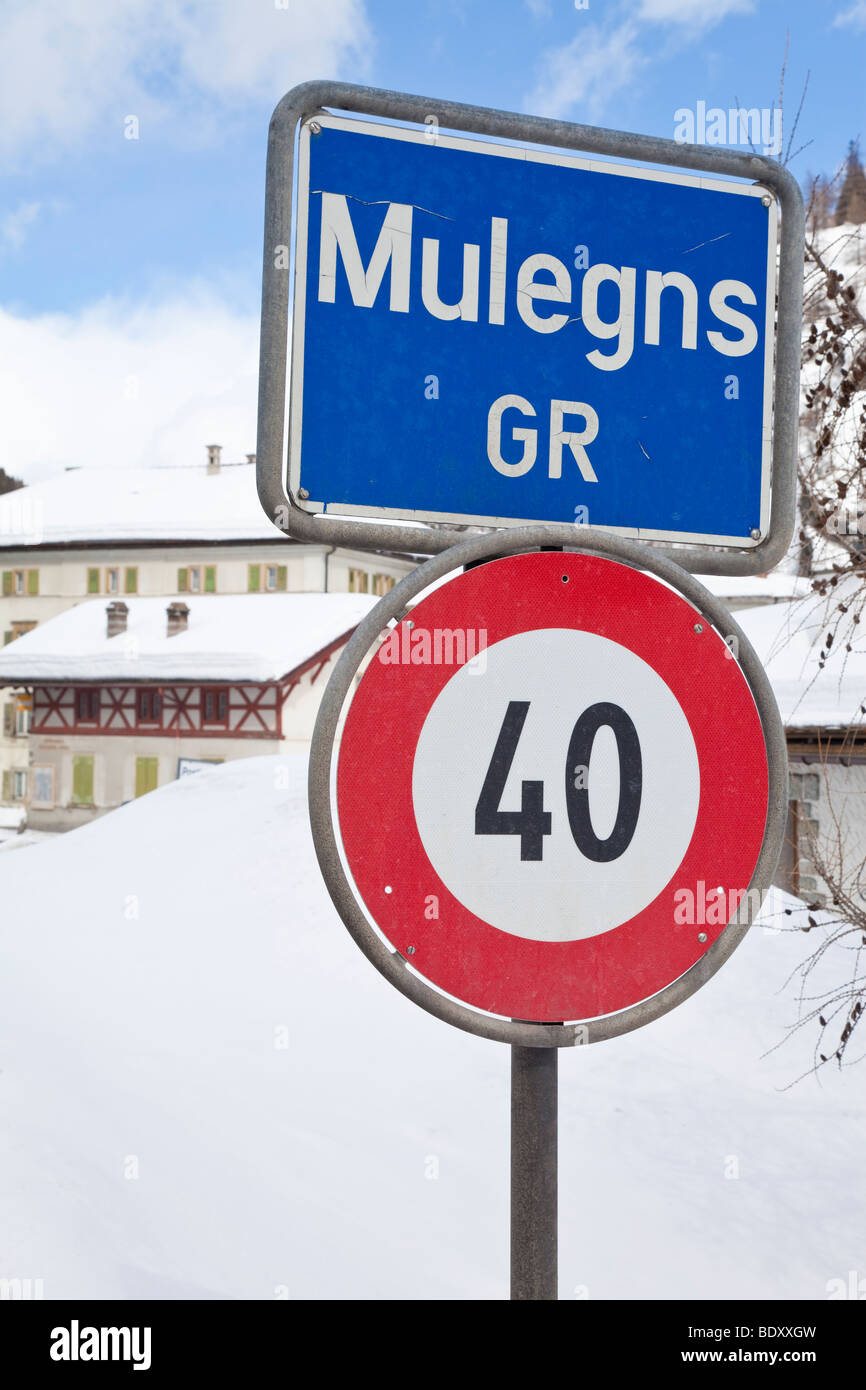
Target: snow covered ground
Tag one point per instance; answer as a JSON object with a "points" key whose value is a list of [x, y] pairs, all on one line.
{"points": [[207, 1092]]}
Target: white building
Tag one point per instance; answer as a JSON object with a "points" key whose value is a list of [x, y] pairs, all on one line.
{"points": [[150, 533], [821, 699], [130, 694]]}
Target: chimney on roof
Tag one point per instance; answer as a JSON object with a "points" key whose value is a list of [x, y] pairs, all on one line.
{"points": [[178, 619], [213, 457], [251, 458], [117, 615]]}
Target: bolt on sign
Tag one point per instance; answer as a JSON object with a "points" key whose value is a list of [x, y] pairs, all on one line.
{"points": [[498, 334]]}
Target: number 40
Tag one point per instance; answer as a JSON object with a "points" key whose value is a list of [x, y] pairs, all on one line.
{"points": [[532, 822]]}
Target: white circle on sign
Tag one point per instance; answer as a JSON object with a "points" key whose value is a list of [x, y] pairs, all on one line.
{"points": [[563, 896]]}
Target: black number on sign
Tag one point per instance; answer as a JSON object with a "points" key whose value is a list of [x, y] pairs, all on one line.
{"points": [[630, 782], [531, 822]]}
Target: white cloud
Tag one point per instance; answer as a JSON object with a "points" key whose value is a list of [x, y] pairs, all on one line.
{"points": [[855, 17], [120, 384], [14, 226], [694, 14], [582, 76], [69, 69]]}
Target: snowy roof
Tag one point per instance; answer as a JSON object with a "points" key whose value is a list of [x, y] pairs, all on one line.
{"points": [[141, 504], [256, 637], [788, 638], [770, 588]]}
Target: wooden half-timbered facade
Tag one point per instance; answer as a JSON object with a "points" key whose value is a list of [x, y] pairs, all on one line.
{"points": [[219, 710]]}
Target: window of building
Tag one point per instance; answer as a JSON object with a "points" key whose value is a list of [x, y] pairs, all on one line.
{"points": [[196, 579], [146, 775], [148, 707], [43, 787], [214, 704], [254, 578], [359, 582], [19, 629], [16, 717], [93, 581], [805, 786], [87, 702], [382, 584], [276, 578], [796, 872], [82, 780], [14, 785], [130, 585], [112, 581], [20, 582]]}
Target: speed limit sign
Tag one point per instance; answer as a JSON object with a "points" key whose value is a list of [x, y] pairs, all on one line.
{"points": [[552, 792]]}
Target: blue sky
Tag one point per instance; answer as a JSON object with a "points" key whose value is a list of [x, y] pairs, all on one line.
{"points": [[129, 268]]}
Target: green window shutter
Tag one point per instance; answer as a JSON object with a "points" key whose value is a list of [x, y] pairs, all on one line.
{"points": [[210, 579], [9, 720], [33, 581], [8, 791], [182, 581], [282, 577], [131, 580], [7, 638], [255, 579], [7, 582], [146, 775], [93, 581], [82, 780]]}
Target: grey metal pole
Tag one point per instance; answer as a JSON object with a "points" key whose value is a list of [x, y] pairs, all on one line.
{"points": [[534, 1172]]}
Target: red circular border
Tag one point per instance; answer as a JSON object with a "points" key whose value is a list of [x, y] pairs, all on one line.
{"points": [[460, 953]]}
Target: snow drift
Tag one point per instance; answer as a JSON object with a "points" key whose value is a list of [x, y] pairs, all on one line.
{"points": [[207, 1092]]}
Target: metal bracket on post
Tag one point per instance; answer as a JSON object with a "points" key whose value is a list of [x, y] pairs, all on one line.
{"points": [[534, 1125]]}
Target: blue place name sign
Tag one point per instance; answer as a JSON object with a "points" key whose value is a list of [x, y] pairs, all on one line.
{"points": [[498, 334]]}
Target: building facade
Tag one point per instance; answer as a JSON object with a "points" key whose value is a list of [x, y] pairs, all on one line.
{"points": [[162, 533], [126, 696]]}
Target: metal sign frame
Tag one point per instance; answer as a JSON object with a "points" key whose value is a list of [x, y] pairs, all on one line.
{"points": [[271, 453], [390, 962]]}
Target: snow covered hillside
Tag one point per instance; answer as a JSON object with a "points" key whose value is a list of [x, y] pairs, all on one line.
{"points": [[207, 1091]]}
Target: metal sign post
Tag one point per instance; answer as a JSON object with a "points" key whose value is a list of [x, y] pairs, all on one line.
{"points": [[534, 1164]]}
